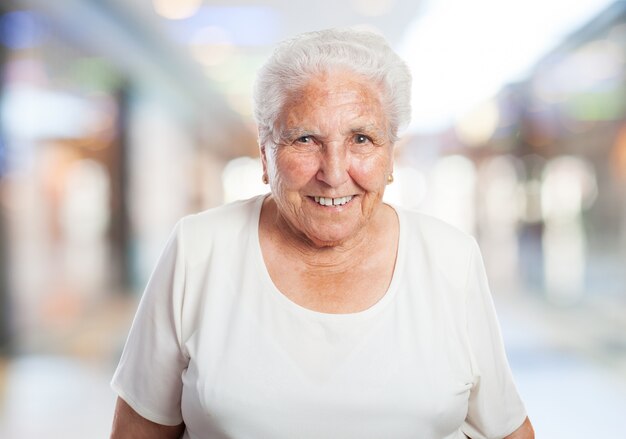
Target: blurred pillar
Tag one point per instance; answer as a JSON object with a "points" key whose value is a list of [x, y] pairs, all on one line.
{"points": [[5, 306], [120, 219]]}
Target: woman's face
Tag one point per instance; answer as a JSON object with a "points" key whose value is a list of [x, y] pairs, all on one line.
{"points": [[329, 169]]}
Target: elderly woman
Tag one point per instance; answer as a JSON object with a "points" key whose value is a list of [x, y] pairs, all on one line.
{"points": [[318, 311]]}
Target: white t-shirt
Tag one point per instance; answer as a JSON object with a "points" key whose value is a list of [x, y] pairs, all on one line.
{"points": [[216, 345]]}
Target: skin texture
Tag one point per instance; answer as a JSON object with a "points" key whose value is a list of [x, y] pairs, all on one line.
{"points": [[128, 424], [332, 141]]}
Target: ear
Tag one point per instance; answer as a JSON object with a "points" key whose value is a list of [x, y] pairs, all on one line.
{"points": [[262, 154]]}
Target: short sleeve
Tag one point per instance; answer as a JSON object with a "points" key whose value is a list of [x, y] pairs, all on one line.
{"points": [[495, 408], [149, 374]]}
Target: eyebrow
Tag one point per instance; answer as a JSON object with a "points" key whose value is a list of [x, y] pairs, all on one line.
{"points": [[296, 132], [368, 129]]}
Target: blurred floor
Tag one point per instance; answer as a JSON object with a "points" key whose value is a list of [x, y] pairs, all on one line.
{"points": [[574, 385], [63, 391], [56, 397], [569, 365]]}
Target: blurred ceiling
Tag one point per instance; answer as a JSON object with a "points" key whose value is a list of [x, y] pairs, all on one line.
{"points": [[262, 23], [205, 55]]}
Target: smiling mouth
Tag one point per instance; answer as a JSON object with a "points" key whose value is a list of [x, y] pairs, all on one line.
{"points": [[327, 201]]}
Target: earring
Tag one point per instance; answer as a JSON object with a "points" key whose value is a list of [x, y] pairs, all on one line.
{"points": [[389, 178], [265, 179]]}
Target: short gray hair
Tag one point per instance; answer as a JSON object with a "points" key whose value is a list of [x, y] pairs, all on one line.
{"points": [[295, 61]]}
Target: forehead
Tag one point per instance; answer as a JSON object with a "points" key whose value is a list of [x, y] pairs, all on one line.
{"points": [[335, 97]]}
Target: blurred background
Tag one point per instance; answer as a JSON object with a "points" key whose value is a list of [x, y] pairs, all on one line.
{"points": [[119, 117]]}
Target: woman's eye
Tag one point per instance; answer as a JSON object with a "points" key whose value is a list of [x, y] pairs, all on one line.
{"points": [[304, 139], [360, 139]]}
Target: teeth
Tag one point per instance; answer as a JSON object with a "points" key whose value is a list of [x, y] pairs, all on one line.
{"points": [[327, 201]]}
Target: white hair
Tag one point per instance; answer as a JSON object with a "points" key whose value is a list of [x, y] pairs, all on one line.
{"points": [[297, 60]]}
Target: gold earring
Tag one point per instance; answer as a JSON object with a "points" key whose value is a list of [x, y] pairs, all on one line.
{"points": [[265, 179], [389, 178]]}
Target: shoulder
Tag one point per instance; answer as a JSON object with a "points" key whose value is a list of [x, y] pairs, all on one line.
{"points": [[435, 231], [221, 226], [443, 247], [227, 216]]}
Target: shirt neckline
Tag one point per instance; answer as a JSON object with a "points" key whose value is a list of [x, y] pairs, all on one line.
{"points": [[278, 296]]}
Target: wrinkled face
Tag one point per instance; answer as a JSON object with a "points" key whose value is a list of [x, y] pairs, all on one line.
{"points": [[329, 169]]}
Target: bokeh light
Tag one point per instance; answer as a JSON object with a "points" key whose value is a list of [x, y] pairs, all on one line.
{"points": [[176, 9]]}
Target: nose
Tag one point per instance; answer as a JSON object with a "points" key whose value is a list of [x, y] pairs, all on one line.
{"points": [[333, 165]]}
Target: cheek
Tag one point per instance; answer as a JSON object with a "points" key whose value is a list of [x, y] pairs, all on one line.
{"points": [[371, 174], [295, 169]]}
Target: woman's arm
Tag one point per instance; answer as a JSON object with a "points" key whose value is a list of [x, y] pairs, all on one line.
{"points": [[524, 432], [128, 424]]}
